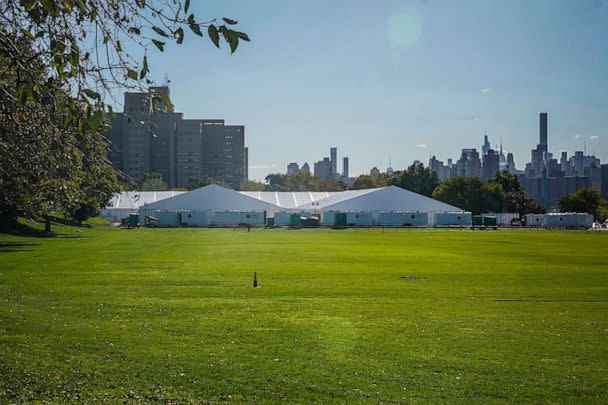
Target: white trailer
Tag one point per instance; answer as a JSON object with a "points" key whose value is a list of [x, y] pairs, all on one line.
{"points": [[234, 218], [460, 219], [359, 218], [568, 220], [535, 220]]}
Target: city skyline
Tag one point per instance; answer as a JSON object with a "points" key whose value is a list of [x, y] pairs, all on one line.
{"points": [[393, 79]]}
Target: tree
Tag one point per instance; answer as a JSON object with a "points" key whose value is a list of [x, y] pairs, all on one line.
{"points": [[470, 194], [583, 200], [416, 178], [194, 182], [99, 181], [46, 167], [363, 182], [252, 185], [301, 181], [153, 182], [93, 47], [58, 61], [602, 211], [515, 198]]}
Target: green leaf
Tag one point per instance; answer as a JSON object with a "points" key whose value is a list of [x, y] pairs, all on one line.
{"points": [[160, 45], [229, 21], [186, 6], [132, 74], [242, 36], [180, 35], [160, 32], [196, 29], [213, 34], [134, 30], [144, 69], [27, 33], [92, 94]]}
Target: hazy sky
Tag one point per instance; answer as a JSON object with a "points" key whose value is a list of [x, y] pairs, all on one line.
{"points": [[401, 78]]}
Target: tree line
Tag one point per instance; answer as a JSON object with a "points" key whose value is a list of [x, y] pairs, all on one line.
{"points": [[59, 61], [503, 193]]}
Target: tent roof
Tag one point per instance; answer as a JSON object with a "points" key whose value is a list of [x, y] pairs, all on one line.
{"points": [[134, 199], [214, 197], [291, 200], [390, 198]]}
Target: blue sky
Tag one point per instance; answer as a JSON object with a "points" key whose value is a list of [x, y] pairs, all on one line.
{"points": [[401, 78]]}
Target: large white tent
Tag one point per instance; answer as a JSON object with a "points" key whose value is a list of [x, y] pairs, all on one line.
{"points": [[214, 198], [128, 202]]}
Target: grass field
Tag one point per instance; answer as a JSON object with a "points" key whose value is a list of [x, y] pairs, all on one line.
{"points": [[340, 317]]}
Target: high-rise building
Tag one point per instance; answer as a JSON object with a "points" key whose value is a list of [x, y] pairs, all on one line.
{"points": [[486, 145], [246, 164], [511, 163], [305, 168], [542, 131], [389, 169], [604, 177], [490, 165], [293, 168], [145, 140], [345, 167], [323, 169], [374, 173], [469, 163], [333, 154], [563, 162]]}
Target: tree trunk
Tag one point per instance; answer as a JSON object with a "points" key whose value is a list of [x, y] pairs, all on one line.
{"points": [[47, 225]]}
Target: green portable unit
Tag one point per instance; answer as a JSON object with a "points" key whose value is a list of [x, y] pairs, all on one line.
{"points": [[477, 220], [340, 219], [490, 221], [294, 220], [133, 220]]}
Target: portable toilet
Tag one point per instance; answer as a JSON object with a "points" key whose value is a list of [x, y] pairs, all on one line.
{"points": [[340, 219], [282, 218], [133, 220], [295, 220]]}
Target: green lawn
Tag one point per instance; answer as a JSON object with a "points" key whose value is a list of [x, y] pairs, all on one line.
{"points": [[341, 316]]}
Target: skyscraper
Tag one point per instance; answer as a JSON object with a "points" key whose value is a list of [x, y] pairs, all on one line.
{"points": [[333, 154], [345, 167], [604, 177], [305, 168], [491, 164], [293, 168], [323, 169], [542, 131], [486, 145]]}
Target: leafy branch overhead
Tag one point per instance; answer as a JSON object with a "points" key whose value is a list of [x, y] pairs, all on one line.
{"points": [[93, 47]]}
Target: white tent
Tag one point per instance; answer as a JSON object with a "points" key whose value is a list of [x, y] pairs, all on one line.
{"points": [[214, 198], [127, 202], [210, 198], [390, 198]]}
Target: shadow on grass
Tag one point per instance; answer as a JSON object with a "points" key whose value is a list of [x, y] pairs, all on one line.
{"points": [[26, 230], [8, 247]]}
